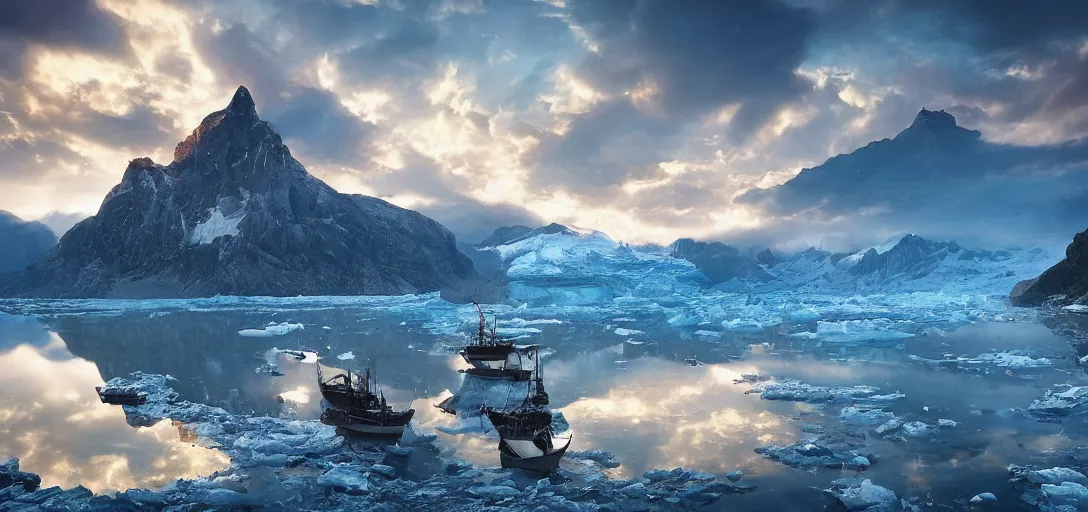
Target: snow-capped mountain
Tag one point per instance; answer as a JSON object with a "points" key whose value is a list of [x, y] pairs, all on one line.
{"points": [[23, 242], [911, 264], [563, 266], [1065, 283], [236, 214]]}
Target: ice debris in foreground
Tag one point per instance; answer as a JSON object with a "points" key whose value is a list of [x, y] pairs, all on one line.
{"points": [[795, 390], [303, 465], [857, 495], [835, 450], [1054, 406], [270, 330], [1051, 490]]}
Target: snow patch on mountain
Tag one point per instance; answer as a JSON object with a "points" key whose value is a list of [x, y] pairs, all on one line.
{"points": [[216, 225]]}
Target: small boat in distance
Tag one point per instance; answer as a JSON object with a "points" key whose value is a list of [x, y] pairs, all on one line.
{"points": [[120, 396], [494, 358], [356, 407]]}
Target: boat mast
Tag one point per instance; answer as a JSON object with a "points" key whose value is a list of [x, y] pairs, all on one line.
{"points": [[481, 334]]}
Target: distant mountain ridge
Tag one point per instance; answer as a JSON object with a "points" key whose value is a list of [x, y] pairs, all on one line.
{"points": [[22, 241], [936, 171], [236, 214]]}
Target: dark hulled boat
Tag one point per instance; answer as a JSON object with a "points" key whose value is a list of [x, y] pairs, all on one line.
{"points": [[526, 439], [491, 357], [383, 421], [356, 407]]}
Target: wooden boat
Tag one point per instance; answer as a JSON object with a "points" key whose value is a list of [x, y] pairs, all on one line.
{"points": [[519, 455], [487, 347], [356, 407], [381, 422], [348, 391], [120, 396], [526, 440]]}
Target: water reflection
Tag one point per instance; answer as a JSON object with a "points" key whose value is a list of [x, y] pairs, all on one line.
{"points": [[660, 413], [53, 421], [652, 412]]}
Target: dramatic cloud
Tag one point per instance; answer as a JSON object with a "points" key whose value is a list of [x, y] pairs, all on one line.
{"points": [[647, 119]]}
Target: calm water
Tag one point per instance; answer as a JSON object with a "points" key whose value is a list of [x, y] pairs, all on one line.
{"points": [[652, 412]]}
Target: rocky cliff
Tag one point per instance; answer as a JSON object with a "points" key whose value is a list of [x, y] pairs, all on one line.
{"points": [[1063, 284]]}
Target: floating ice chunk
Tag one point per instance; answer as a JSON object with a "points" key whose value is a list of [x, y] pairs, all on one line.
{"points": [[1062, 403], [946, 423], [864, 416], [1067, 494], [270, 330], [734, 475], [606, 459], [860, 330], [889, 426], [1010, 360], [916, 429], [1077, 308], [346, 478], [346, 356], [620, 331], [865, 495], [795, 390], [984, 498], [742, 325]]}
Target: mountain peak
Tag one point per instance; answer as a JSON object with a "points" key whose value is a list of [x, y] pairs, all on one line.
{"points": [[934, 119], [242, 102]]}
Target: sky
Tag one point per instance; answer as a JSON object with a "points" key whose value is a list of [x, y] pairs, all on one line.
{"points": [[645, 119]]}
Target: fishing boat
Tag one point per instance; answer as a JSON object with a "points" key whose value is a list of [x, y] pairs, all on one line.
{"points": [[355, 406], [120, 396]]}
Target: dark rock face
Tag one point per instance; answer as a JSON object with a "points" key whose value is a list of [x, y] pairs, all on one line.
{"points": [[1065, 283], [913, 256], [510, 234], [23, 242], [503, 235], [717, 261], [766, 257], [236, 214]]}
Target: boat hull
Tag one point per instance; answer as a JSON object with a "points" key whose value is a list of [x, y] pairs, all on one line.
{"points": [[366, 422], [546, 463], [376, 430], [500, 374]]}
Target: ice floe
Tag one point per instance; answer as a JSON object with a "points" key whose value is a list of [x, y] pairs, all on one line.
{"points": [[272, 329]]}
